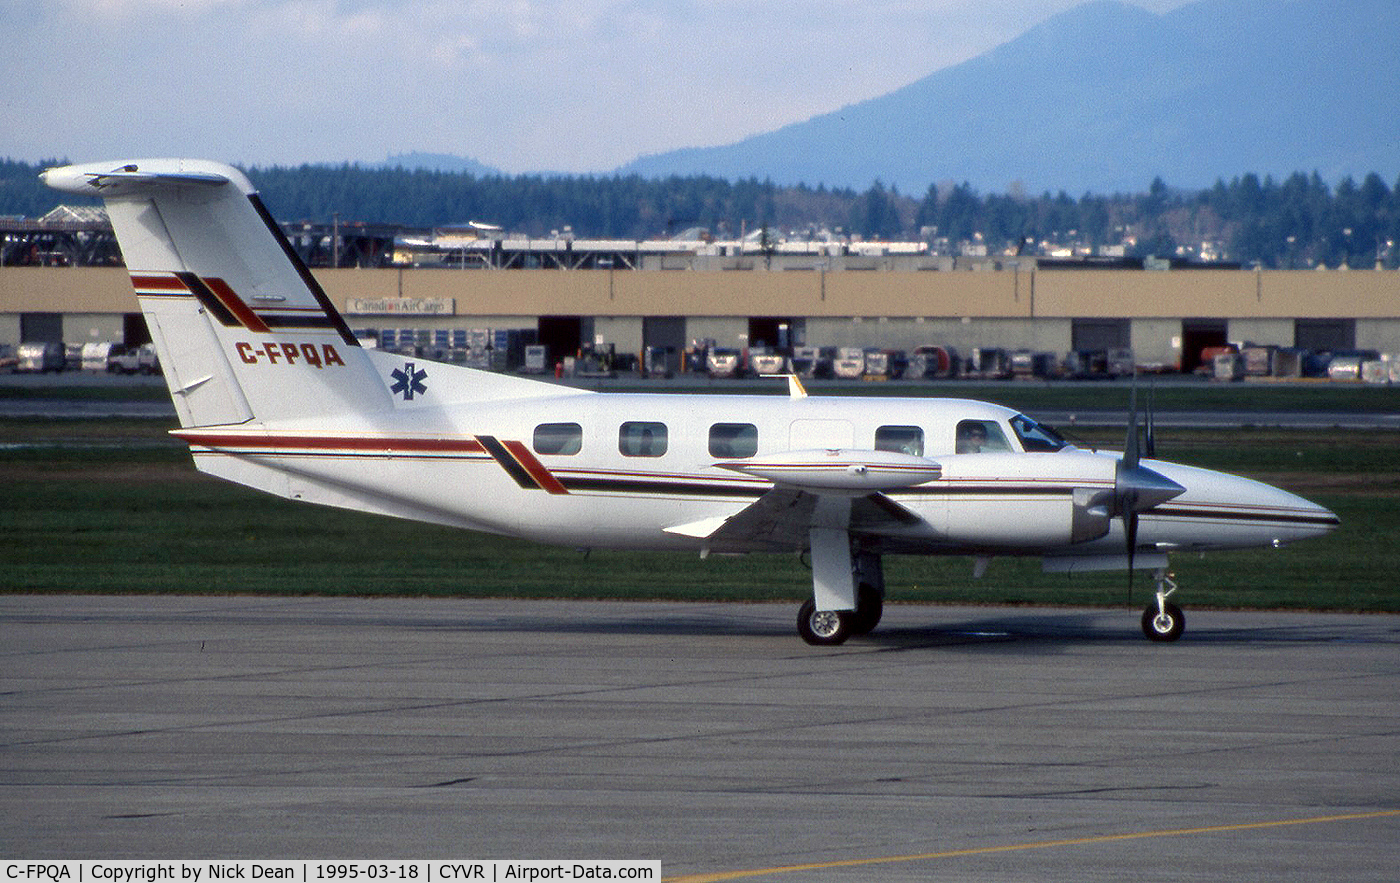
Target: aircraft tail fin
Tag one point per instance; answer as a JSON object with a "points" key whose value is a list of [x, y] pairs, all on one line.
{"points": [[244, 331]]}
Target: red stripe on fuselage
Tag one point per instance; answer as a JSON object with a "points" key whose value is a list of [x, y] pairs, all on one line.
{"points": [[330, 443], [532, 465]]}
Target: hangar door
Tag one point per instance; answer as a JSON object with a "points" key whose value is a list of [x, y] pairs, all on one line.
{"points": [[563, 335], [41, 328], [1196, 335], [1100, 334], [1325, 335], [780, 333]]}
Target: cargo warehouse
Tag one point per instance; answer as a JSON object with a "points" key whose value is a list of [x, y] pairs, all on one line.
{"points": [[643, 305]]}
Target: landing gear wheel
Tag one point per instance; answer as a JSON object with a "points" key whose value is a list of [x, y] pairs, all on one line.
{"points": [[823, 628], [1165, 624], [870, 604]]}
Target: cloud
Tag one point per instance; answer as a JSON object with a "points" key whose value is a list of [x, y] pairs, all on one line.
{"points": [[569, 85]]}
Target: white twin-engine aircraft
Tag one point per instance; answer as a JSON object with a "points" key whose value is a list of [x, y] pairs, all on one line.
{"points": [[274, 392]]}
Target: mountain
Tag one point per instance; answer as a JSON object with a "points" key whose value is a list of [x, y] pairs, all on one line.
{"points": [[1107, 96]]}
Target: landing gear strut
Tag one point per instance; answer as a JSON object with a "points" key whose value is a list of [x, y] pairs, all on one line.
{"points": [[848, 590], [869, 575], [1162, 620]]}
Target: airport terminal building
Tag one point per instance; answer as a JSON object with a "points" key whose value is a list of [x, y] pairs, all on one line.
{"points": [[569, 295]]}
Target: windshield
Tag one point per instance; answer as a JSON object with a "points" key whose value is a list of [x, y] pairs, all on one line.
{"points": [[1035, 437]]}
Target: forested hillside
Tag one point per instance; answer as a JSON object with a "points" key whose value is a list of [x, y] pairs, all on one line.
{"points": [[1299, 222]]}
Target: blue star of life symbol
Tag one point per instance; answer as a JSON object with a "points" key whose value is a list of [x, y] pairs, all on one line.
{"points": [[409, 381]]}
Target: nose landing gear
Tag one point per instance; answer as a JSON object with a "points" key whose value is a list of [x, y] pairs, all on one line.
{"points": [[1162, 620]]}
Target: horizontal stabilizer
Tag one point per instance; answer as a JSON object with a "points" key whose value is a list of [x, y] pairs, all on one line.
{"points": [[122, 180]]}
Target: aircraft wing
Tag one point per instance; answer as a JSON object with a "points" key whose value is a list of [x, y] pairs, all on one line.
{"points": [[783, 517]]}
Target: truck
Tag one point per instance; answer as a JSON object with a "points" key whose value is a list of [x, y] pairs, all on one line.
{"points": [[116, 358]]}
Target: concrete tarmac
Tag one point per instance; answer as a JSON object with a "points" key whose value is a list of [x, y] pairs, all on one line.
{"points": [[988, 744]]}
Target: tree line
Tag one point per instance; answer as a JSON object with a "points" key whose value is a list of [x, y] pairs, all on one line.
{"points": [[1298, 222]]}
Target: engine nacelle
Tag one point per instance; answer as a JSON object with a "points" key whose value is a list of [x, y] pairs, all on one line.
{"points": [[843, 471]]}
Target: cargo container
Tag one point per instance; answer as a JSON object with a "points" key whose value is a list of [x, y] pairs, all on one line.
{"points": [[1028, 365], [1375, 371], [1288, 362], [1228, 366], [989, 363], [1259, 360], [536, 359], [1121, 363]]}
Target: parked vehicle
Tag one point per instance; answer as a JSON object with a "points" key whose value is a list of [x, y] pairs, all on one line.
{"points": [[723, 362], [850, 363], [115, 358], [134, 360], [39, 358], [95, 356], [933, 361], [765, 361], [813, 361]]}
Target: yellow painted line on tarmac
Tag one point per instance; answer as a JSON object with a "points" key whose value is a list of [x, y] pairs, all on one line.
{"points": [[1022, 847]]}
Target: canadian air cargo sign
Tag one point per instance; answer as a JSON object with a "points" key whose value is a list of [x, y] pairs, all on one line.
{"points": [[401, 306]]}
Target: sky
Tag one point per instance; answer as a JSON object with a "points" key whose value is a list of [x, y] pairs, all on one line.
{"points": [[572, 86]]}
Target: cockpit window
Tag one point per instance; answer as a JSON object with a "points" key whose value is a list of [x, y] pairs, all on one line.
{"points": [[1035, 437], [980, 437]]}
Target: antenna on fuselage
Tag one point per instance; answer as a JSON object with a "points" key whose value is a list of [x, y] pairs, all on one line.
{"points": [[795, 388]]}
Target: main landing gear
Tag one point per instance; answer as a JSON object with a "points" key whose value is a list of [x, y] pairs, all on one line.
{"points": [[832, 627], [1162, 620]]}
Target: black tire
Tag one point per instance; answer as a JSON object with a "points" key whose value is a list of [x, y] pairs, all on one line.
{"points": [[870, 605], [1164, 627], [823, 628]]}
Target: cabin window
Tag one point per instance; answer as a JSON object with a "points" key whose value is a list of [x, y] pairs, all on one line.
{"points": [[900, 439], [640, 439], [733, 440], [980, 437], [558, 438]]}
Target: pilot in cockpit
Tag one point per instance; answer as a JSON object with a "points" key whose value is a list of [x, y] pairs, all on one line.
{"points": [[972, 435]]}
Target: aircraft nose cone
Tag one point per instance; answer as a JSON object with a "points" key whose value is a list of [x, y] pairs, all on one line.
{"points": [[1224, 511], [1324, 520]]}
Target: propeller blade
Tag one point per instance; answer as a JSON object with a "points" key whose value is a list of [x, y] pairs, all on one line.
{"points": [[1150, 423], [1135, 487], [1130, 445], [1130, 522]]}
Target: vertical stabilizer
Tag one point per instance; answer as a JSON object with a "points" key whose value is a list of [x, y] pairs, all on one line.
{"points": [[243, 330]]}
